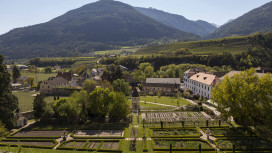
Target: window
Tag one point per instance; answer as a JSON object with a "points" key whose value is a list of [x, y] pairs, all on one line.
{"points": [[202, 85], [208, 88], [48, 86]]}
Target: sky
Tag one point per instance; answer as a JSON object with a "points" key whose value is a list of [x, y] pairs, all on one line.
{"points": [[21, 13]]}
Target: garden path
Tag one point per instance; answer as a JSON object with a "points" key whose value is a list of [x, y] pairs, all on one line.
{"points": [[205, 137], [209, 107]]}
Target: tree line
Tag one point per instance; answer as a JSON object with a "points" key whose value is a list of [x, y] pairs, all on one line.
{"points": [[260, 54], [50, 62]]}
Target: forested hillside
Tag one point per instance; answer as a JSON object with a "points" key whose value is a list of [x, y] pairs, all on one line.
{"points": [[257, 20], [101, 25], [198, 27]]}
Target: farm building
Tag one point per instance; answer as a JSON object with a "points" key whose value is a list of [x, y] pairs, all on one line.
{"points": [[165, 85]]}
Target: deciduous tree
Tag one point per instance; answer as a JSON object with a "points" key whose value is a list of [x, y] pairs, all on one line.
{"points": [[245, 97]]}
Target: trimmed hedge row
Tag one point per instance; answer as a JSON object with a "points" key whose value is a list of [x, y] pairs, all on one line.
{"points": [[11, 136], [181, 149], [175, 136], [29, 140], [120, 148]]}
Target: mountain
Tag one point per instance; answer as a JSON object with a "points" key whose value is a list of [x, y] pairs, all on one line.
{"points": [[257, 20], [199, 27], [101, 25]]}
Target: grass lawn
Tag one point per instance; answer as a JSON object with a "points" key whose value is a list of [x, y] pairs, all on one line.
{"points": [[40, 76], [165, 100], [25, 100]]}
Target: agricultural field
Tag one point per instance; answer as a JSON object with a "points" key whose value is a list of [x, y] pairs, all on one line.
{"points": [[203, 47], [88, 61], [117, 51]]}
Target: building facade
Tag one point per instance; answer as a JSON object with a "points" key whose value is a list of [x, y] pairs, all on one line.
{"points": [[53, 82], [201, 84], [165, 85]]}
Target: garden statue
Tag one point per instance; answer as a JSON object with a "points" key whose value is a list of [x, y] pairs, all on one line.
{"points": [[208, 133]]}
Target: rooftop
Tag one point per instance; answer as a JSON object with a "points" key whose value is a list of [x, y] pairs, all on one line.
{"points": [[204, 78], [163, 80]]}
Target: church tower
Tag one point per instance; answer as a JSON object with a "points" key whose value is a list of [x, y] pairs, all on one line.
{"points": [[135, 100]]}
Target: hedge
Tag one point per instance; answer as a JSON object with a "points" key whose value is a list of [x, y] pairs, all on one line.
{"points": [[175, 136]]}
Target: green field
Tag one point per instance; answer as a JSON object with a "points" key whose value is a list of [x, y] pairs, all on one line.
{"points": [[25, 100], [203, 47], [88, 61], [165, 100], [40, 76]]}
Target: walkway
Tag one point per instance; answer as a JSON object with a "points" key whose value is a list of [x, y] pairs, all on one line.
{"points": [[205, 137], [209, 107]]}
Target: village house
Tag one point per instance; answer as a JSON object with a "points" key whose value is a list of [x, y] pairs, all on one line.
{"points": [[53, 82], [165, 85]]}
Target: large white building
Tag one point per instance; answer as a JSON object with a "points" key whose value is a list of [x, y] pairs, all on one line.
{"points": [[200, 83]]}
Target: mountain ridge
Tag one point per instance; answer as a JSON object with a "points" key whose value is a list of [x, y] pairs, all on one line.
{"points": [[256, 20], [198, 27], [100, 25]]}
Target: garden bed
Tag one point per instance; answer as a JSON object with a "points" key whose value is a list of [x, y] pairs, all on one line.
{"points": [[39, 143], [180, 144], [98, 133], [243, 144], [91, 145], [175, 132], [229, 132], [38, 134]]}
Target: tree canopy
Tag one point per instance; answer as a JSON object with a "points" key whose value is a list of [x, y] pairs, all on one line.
{"points": [[246, 97]]}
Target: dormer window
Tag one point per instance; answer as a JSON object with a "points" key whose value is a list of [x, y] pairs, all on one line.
{"points": [[205, 78], [197, 76]]}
